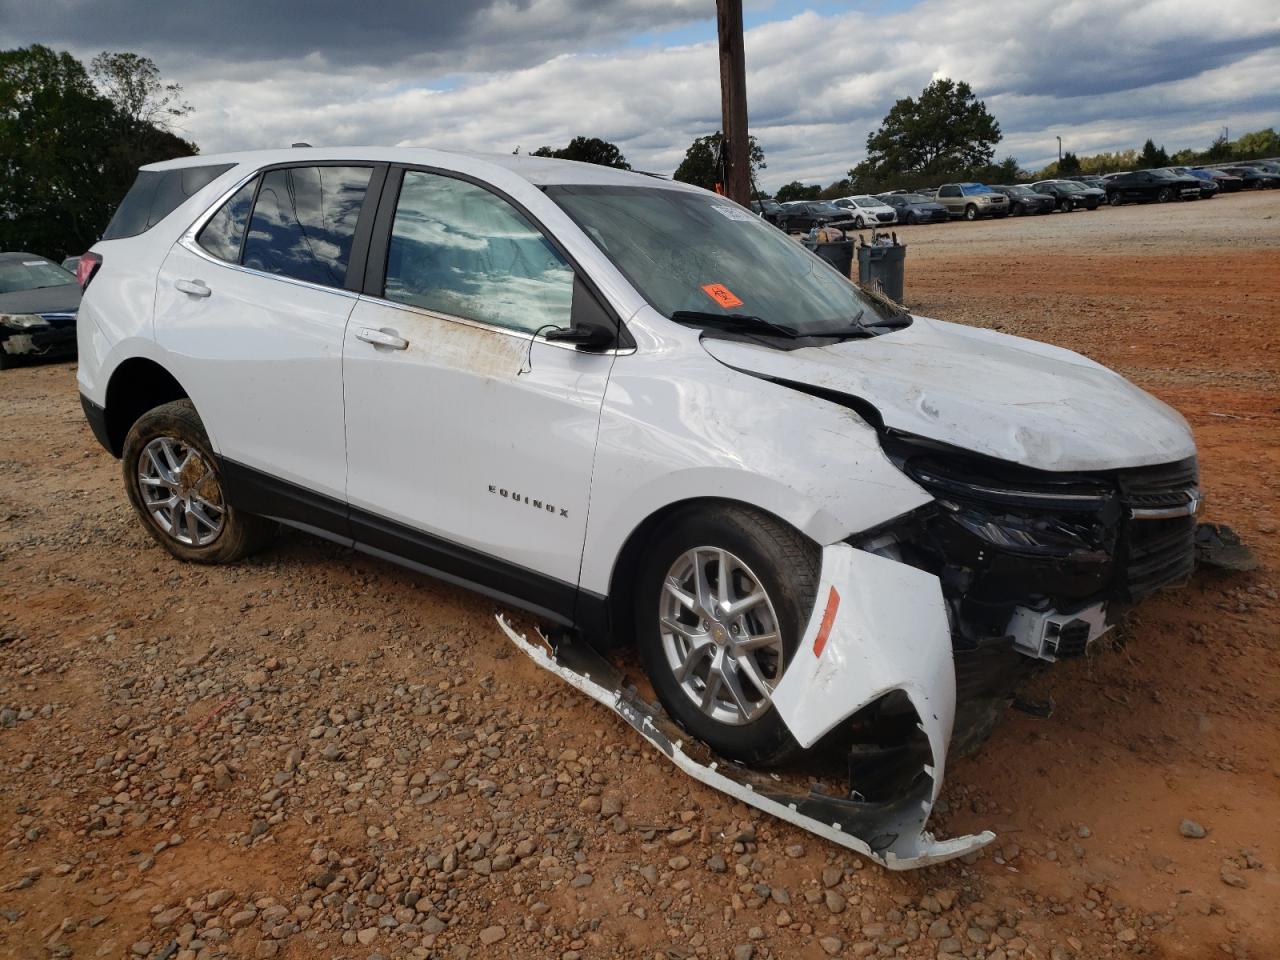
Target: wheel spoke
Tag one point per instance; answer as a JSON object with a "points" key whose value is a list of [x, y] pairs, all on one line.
{"points": [[170, 456], [733, 684], [162, 471], [687, 600], [710, 689], [739, 607], [756, 641], [688, 631], [697, 653], [193, 527], [722, 579], [748, 667], [706, 603]]}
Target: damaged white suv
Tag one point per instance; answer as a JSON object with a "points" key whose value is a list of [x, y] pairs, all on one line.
{"points": [[635, 410]]}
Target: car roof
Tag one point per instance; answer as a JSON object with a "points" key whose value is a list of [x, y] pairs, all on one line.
{"points": [[539, 171]]}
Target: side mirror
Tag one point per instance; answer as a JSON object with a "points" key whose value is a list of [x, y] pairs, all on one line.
{"points": [[591, 328], [588, 338]]}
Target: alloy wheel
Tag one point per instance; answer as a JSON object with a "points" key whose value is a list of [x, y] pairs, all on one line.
{"points": [[720, 635], [181, 492]]}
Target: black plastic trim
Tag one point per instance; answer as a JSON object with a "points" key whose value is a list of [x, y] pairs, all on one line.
{"points": [[255, 492], [97, 417], [364, 230]]}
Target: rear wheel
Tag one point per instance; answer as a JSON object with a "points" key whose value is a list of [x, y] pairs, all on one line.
{"points": [[723, 600], [174, 484]]}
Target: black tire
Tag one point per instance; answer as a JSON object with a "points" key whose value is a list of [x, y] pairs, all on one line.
{"points": [[1114, 199], [787, 566], [1165, 195], [241, 535], [1017, 210], [1065, 205], [971, 213]]}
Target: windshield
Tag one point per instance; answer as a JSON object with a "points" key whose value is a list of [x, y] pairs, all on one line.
{"points": [[33, 274], [913, 198], [969, 189], [1070, 186], [867, 201], [1020, 191], [690, 252]]}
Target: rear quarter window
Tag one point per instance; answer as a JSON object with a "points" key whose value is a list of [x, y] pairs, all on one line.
{"points": [[157, 193]]}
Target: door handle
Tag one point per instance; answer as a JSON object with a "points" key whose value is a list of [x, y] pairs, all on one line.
{"points": [[382, 338], [196, 288]]}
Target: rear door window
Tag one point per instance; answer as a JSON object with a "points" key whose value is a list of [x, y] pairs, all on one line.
{"points": [[460, 250], [223, 235], [157, 193], [304, 222]]}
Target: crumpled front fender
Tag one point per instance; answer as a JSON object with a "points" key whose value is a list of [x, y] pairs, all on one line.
{"points": [[878, 626]]}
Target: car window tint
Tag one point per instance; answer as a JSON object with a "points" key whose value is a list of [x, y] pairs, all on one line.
{"points": [[458, 249], [223, 235], [157, 193], [304, 222]]}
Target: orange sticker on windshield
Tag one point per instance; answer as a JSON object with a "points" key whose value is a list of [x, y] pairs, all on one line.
{"points": [[721, 295]]}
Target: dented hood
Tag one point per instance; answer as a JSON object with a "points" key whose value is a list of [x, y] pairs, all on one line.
{"points": [[1005, 397]]}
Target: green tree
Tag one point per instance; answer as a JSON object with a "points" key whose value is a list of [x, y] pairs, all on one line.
{"points": [[1221, 149], [701, 163], [945, 131], [795, 190], [1069, 165], [67, 154], [588, 150], [1258, 144], [1152, 156]]}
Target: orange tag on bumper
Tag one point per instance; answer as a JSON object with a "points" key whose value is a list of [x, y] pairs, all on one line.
{"points": [[721, 294]]}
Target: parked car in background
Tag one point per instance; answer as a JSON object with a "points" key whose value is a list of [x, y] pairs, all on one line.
{"points": [[807, 214], [38, 304], [1024, 200], [1089, 180], [1271, 166], [1068, 195], [1255, 178], [770, 210], [1227, 182], [916, 208], [1208, 187], [1143, 186], [972, 200], [70, 264], [867, 211]]}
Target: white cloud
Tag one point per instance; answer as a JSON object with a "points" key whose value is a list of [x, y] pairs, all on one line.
{"points": [[1102, 77]]}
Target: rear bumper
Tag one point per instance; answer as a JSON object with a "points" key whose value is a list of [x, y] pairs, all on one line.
{"points": [[97, 417]]}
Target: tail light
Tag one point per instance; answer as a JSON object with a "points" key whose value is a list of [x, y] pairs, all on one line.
{"points": [[86, 268]]}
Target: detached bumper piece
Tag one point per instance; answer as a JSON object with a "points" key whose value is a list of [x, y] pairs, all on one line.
{"points": [[865, 642]]}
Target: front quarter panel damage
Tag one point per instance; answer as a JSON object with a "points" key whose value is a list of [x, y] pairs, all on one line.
{"points": [[889, 633]]}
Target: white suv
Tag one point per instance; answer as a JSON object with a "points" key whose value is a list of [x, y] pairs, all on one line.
{"points": [[637, 411]]}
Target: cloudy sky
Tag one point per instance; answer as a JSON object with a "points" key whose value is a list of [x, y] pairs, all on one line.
{"points": [[497, 74]]}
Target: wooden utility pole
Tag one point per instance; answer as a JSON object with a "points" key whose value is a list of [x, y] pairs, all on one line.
{"points": [[733, 102]]}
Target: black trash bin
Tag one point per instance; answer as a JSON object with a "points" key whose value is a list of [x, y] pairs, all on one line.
{"points": [[885, 266], [838, 253]]}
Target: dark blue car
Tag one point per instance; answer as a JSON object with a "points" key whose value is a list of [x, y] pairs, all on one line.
{"points": [[913, 208]]}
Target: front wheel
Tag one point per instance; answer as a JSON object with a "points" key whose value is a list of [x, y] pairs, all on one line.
{"points": [[1165, 195], [1113, 199], [176, 488], [971, 212], [723, 600]]}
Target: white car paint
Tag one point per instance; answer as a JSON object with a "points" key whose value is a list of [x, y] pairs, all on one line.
{"points": [[871, 208], [1017, 400]]}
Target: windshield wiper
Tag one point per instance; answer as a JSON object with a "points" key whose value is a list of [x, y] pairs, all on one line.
{"points": [[744, 322]]}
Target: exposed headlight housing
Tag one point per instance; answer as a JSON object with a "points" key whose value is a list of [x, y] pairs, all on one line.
{"points": [[22, 321]]}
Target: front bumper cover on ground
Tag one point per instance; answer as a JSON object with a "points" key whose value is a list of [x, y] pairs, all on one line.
{"points": [[878, 627]]}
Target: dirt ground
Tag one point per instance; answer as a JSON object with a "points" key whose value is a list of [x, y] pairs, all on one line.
{"points": [[316, 754]]}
